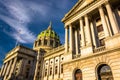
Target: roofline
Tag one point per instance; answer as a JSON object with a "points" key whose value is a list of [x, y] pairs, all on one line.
{"points": [[64, 18]]}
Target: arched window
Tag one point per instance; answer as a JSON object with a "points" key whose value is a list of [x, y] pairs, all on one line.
{"points": [[61, 68], [51, 71], [45, 72], [56, 69], [78, 74], [104, 72]]}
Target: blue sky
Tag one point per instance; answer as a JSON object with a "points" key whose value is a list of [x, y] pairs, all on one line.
{"points": [[23, 20]]}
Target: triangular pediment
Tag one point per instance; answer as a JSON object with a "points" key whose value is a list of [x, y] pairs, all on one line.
{"points": [[78, 6]]}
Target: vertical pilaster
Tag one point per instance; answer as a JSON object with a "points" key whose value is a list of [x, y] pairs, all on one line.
{"points": [[105, 27], [53, 67], [112, 18], [37, 64]]}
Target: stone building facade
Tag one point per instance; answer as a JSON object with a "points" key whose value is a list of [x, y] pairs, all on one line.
{"points": [[91, 50], [19, 64]]}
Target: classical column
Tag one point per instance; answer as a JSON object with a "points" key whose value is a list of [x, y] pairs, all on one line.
{"points": [[76, 41], [66, 39], [2, 70], [8, 70], [82, 32], [94, 33], [112, 18], [102, 15], [88, 30], [71, 38], [13, 67]]}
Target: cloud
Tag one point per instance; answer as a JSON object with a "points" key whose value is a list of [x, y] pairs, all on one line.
{"points": [[18, 20]]}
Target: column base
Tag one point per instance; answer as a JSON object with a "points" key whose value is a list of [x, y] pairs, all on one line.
{"points": [[87, 50], [112, 42]]}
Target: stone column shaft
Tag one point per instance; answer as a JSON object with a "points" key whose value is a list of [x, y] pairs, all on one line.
{"points": [[2, 70], [13, 67], [71, 38], [66, 40], [88, 30], [102, 15], [37, 64], [82, 33], [8, 69], [76, 41], [94, 33], [112, 18]]}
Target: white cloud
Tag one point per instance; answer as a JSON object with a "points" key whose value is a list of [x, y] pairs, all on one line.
{"points": [[18, 19]]}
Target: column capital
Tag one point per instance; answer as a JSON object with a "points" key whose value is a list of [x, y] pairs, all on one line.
{"points": [[66, 27]]}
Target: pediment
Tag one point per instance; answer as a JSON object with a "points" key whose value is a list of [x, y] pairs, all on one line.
{"points": [[78, 6]]}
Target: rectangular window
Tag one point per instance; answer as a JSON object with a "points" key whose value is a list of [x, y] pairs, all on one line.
{"points": [[102, 42], [100, 28]]}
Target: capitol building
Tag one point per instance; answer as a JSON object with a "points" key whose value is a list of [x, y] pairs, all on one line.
{"points": [[91, 50]]}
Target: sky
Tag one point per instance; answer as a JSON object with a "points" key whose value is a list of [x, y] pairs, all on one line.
{"points": [[22, 20]]}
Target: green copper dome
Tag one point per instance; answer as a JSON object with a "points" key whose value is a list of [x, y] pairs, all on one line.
{"points": [[48, 33]]}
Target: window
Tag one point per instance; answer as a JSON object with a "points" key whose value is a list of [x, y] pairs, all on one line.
{"points": [[39, 67], [51, 42], [56, 60], [27, 75], [119, 8], [98, 19], [38, 74], [29, 62], [100, 28], [61, 68], [78, 74], [56, 69], [104, 72], [35, 43], [80, 36], [51, 71], [39, 43], [51, 62], [45, 72], [102, 42], [45, 42]]}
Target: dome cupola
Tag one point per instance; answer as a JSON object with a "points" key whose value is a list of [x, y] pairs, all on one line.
{"points": [[47, 39]]}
